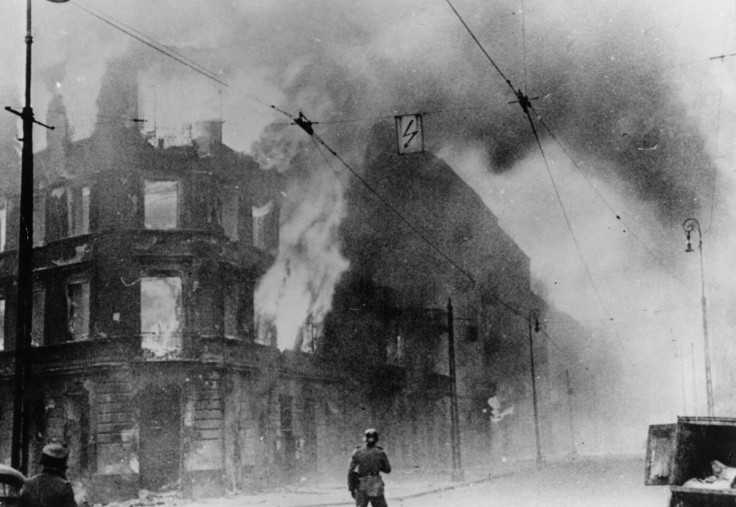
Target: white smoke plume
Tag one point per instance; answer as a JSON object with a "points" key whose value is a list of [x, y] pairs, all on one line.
{"points": [[628, 87]]}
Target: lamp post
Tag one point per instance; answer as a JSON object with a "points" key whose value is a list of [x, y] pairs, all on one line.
{"points": [[690, 225], [24, 303], [534, 315], [457, 463]]}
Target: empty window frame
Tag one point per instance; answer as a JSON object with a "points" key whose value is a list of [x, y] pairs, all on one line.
{"points": [[38, 313], [234, 305], [3, 224], [2, 322], [161, 314], [78, 309], [39, 219], [78, 209], [161, 204], [57, 222], [261, 216]]}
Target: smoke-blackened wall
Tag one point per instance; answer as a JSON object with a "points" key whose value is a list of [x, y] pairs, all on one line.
{"points": [[627, 88]]}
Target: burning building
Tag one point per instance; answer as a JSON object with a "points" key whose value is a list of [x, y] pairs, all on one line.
{"points": [[157, 360], [145, 261], [435, 242]]}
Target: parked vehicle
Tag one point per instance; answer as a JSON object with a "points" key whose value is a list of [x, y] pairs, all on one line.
{"points": [[682, 456]]}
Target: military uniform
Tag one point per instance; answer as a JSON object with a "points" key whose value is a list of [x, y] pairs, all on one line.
{"points": [[364, 475], [49, 488]]}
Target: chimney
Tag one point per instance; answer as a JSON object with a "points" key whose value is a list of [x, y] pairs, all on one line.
{"points": [[207, 136], [58, 139]]}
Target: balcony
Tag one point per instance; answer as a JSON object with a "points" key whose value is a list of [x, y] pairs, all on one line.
{"points": [[76, 356], [235, 353]]}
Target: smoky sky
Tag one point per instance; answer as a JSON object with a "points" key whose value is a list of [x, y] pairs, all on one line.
{"points": [[601, 72], [628, 88]]}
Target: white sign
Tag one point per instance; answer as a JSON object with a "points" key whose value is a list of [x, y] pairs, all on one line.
{"points": [[409, 135]]}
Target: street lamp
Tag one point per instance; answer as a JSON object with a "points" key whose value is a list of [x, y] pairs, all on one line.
{"points": [[457, 462], [690, 225], [534, 316], [24, 303]]}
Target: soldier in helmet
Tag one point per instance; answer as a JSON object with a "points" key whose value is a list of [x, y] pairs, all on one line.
{"points": [[364, 472], [49, 488]]}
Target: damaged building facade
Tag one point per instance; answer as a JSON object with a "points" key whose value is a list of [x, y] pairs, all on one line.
{"points": [[145, 260], [390, 317], [146, 360]]}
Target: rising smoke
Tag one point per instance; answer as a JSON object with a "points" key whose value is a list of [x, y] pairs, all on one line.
{"points": [[627, 87]]}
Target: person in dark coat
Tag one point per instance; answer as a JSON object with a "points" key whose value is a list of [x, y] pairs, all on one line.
{"points": [[49, 488], [364, 472]]}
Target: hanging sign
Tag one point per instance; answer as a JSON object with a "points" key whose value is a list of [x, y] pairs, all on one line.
{"points": [[409, 134]]}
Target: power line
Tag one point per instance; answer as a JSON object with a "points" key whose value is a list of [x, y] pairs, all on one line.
{"points": [[570, 228], [306, 125], [523, 43], [526, 106], [605, 201], [481, 46], [152, 43]]}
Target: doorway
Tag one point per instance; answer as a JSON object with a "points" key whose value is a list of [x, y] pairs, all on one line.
{"points": [[160, 438]]}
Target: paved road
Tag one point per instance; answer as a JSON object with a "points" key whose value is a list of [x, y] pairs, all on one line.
{"points": [[609, 483], [589, 484]]}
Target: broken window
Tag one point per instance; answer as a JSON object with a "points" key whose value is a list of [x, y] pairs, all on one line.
{"points": [[37, 316], [395, 350], [161, 314], [78, 308], [2, 323], [471, 333], [230, 209], [78, 209], [58, 214], [261, 218], [233, 310], [161, 203], [214, 208], [39, 219], [3, 224]]}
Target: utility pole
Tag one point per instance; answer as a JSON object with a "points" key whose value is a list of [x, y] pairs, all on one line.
{"points": [[457, 466], [690, 225], [19, 445], [534, 314], [24, 302], [571, 416]]}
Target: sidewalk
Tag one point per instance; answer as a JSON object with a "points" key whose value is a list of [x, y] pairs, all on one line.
{"points": [[399, 486]]}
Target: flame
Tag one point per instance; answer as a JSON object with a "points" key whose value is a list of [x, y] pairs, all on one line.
{"points": [[295, 295]]}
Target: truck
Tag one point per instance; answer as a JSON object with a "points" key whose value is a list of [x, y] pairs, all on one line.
{"points": [[679, 452]]}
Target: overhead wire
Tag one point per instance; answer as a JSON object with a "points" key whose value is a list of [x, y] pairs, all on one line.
{"points": [[482, 48], [523, 44], [306, 126], [319, 141], [162, 48], [604, 200], [152, 43], [574, 236], [718, 134], [211, 75], [526, 106]]}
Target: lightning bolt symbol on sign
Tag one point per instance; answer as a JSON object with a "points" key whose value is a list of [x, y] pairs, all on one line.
{"points": [[410, 134]]}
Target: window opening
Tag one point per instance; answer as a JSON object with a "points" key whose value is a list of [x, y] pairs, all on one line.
{"points": [[161, 314], [161, 203], [78, 305], [37, 316]]}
